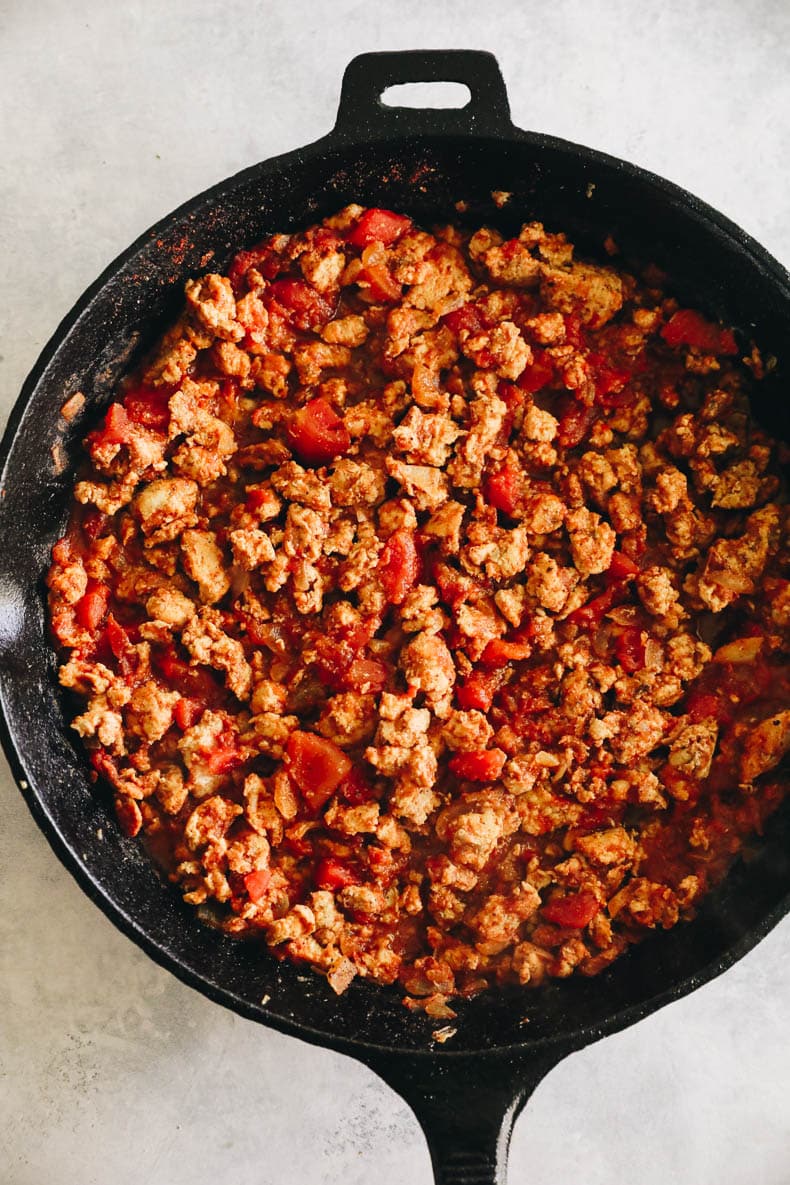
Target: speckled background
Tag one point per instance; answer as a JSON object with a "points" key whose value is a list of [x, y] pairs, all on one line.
{"points": [[110, 1070]]}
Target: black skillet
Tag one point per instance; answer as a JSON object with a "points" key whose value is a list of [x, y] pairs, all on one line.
{"points": [[467, 1091]]}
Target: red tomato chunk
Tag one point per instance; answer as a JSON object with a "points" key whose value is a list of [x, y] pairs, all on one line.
{"points": [[317, 767], [378, 226], [575, 911], [317, 433], [399, 566]]}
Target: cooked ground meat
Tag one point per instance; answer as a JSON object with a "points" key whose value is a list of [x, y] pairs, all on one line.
{"points": [[426, 598]]}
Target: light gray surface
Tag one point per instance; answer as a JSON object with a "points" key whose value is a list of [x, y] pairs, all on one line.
{"points": [[112, 1070]]}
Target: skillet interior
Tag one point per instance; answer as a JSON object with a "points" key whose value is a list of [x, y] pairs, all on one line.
{"points": [[709, 260]]}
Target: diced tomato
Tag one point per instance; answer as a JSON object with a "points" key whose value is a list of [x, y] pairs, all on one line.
{"points": [[257, 498], [687, 327], [356, 789], [187, 712], [256, 883], [601, 814], [573, 331], [575, 422], [334, 874], [148, 406], [481, 765], [478, 689], [630, 650], [317, 766], [381, 284], [452, 585], [263, 258], [93, 525], [503, 488], [538, 374], [621, 568], [365, 675], [117, 638], [467, 319], [334, 657], [91, 609], [305, 307], [702, 705], [226, 755], [317, 433], [116, 429], [193, 683], [399, 566], [378, 226], [499, 652], [609, 380], [591, 614], [512, 396], [574, 911]]}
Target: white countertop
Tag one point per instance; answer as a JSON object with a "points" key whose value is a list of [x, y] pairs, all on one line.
{"points": [[111, 1071]]}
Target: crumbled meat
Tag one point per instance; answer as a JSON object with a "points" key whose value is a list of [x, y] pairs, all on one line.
{"points": [[424, 484], [204, 563], [166, 508], [592, 541], [207, 643]]}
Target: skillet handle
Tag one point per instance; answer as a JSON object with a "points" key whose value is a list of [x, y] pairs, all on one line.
{"points": [[368, 76], [467, 1108]]}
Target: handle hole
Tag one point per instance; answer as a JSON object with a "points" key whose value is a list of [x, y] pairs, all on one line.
{"points": [[427, 94]]}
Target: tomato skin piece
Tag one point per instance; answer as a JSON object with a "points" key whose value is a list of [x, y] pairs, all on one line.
{"points": [[304, 306], [91, 609], [574, 911], [399, 566], [378, 226], [317, 433], [503, 489], [687, 327], [317, 766], [256, 883], [630, 650], [481, 765], [333, 874]]}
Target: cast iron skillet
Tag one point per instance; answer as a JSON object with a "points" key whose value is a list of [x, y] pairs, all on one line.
{"points": [[466, 1092]]}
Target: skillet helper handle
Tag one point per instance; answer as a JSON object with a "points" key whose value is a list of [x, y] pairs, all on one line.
{"points": [[370, 74], [467, 1109]]}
